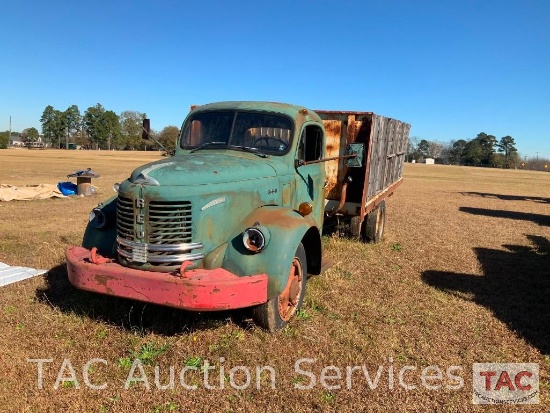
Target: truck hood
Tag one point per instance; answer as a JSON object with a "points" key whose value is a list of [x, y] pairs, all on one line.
{"points": [[201, 169]]}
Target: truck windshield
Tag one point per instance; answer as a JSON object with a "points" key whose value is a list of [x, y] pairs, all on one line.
{"points": [[264, 132]]}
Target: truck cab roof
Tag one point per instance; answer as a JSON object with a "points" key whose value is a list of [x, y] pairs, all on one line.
{"points": [[293, 111]]}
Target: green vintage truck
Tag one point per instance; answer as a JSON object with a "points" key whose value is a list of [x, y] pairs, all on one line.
{"points": [[234, 218]]}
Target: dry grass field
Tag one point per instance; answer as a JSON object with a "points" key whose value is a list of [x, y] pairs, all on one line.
{"points": [[462, 277]]}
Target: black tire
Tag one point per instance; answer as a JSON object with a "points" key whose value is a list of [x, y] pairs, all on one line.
{"points": [[374, 224], [277, 312]]}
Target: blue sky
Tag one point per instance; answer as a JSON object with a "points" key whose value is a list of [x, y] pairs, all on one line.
{"points": [[451, 69]]}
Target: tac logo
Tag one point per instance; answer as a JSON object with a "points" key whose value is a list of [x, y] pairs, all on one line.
{"points": [[505, 383]]}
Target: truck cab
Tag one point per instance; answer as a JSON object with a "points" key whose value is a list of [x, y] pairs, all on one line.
{"points": [[232, 220]]}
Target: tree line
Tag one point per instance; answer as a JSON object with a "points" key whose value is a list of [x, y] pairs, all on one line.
{"points": [[483, 150], [97, 128]]}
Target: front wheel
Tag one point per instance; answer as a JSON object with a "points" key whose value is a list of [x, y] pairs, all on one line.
{"points": [[277, 312]]}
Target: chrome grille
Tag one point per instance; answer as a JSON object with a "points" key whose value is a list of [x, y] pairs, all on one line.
{"points": [[168, 231], [169, 222], [125, 218]]}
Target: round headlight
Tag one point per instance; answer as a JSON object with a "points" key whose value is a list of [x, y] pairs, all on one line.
{"points": [[254, 239], [98, 218], [116, 187]]}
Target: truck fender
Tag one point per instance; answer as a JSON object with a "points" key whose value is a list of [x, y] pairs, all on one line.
{"points": [[104, 239], [287, 229]]}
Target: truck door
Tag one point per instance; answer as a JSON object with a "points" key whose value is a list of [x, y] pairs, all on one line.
{"points": [[310, 178]]}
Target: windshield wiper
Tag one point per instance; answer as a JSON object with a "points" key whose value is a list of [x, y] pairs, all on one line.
{"points": [[251, 150], [244, 148], [204, 145]]}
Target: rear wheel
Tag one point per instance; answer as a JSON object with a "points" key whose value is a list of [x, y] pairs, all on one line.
{"points": [[374, 224], [277, 312]]}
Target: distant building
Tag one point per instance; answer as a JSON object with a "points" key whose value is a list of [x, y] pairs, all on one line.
{"points": [[429, 161], [16, 141], [36, 144]]}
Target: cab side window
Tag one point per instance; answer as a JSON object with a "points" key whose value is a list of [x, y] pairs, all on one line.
{"points": [[311, 144]]}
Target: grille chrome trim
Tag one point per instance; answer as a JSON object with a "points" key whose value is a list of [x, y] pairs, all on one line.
{"points": [[184, 247], [151, 249]]}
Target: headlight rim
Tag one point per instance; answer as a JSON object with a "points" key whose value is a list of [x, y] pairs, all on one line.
{"points": [[98, 218], [256, 232]]}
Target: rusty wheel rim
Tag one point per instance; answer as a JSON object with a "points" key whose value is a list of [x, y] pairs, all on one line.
{"points": [[288, 299]]}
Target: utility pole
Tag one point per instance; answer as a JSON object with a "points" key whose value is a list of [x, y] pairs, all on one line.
{"points": [[67, 139], [9, 137], [537, 156]]}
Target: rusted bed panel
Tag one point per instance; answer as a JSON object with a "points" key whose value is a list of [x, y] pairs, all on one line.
{"points": [[385, 142]]}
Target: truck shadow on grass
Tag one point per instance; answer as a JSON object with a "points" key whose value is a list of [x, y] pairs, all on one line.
{"points": [[128, 314], [515, 286], [338, 227], [540, 219], [508, 197]]}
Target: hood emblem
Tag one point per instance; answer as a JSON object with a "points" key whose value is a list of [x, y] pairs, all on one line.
{"points": [[143, 179], [214, 202]]}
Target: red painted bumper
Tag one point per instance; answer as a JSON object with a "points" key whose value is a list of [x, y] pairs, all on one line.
{"points": [[199, 290]]}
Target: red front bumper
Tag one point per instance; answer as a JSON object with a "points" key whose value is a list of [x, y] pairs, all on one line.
{"points": [[199, 290]]}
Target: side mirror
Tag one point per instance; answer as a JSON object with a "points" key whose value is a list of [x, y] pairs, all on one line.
{"points": [[357, 149], [146, 129]]}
